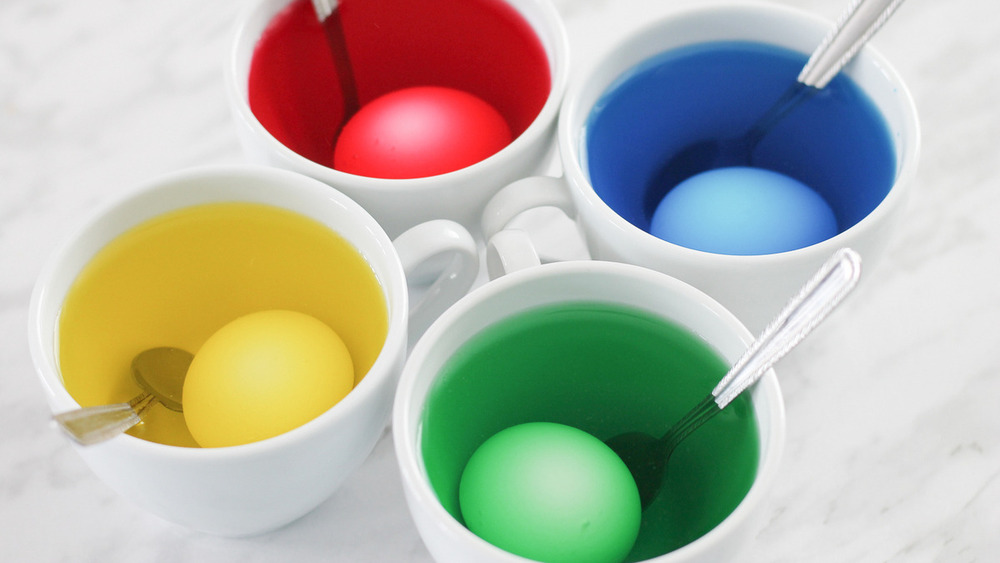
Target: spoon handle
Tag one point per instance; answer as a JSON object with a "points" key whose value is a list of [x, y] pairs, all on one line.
{"points": [[821, 294], [854, 28], [92, 425], [328, 13], [324, 8]]}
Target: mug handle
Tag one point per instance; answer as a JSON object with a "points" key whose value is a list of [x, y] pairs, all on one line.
{"points": [[522, 195], [509, 248], [440, 239], [508, 251]]}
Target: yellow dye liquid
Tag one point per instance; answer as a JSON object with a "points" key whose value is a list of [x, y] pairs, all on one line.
{"points": [[176, 279]]}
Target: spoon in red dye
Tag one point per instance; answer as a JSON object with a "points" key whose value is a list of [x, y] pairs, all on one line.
{"points": [[329, 14]]}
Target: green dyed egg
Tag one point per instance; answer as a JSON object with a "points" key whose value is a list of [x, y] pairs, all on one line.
{"points": [[552, 493]]}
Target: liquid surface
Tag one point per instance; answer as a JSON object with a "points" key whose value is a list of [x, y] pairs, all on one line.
{"points": [[178, 278], [836, 142], [605, 370], [483, 47]]}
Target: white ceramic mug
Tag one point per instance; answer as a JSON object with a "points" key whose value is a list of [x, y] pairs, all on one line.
{"points": [[563, 283], [752, 287], [401, 203], [256, 487]]}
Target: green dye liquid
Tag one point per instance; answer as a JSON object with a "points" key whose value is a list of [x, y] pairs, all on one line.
{"points": [[605, 369]]}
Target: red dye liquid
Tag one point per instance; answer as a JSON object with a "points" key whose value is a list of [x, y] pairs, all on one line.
{"points": [[483, 47]]}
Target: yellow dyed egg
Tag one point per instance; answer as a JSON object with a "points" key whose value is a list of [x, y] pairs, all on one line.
{"points": [[264, 374]]}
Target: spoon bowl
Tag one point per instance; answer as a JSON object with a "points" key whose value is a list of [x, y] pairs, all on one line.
{"points": [[646, 457], [710, 154], [159, 372]]}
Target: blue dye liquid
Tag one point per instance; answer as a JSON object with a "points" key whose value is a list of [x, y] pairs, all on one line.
{"points": [[835, 141]]}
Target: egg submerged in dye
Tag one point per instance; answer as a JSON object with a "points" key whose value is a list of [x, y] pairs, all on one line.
{"points": [[264, 374], [743, 211], [419, 132], [551, 493]]}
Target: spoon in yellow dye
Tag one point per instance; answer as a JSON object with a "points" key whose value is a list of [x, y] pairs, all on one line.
{"points": [[159, 372]]}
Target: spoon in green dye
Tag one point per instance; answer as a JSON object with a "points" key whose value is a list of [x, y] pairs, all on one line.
{"points": [[159, 372], [647, 456]]}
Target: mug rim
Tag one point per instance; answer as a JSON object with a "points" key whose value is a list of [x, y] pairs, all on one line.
{"points": [[570, 138], [408, 407], [552, 35], [43, 342]]}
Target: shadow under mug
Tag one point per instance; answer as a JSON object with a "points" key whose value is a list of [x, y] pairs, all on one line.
{"points": [[260, 486], [752, 286], [473, 45], [567, 284]]}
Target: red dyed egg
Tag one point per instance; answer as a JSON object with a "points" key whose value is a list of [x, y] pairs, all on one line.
{"points": [[418, 132]]}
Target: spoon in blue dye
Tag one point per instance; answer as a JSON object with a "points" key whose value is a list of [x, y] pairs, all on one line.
{"points": [[647, 456], [852, 31]]}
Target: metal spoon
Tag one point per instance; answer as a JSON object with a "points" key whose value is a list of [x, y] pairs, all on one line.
{"points": [[159, 372], [852, 31], [328, 13], [647, 456]]}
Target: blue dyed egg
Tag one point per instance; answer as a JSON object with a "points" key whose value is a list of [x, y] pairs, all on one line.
{"points": [[745, 211]]}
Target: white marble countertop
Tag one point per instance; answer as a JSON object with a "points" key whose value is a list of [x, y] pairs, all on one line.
{"points": [[893, 447]]}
